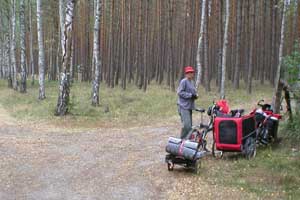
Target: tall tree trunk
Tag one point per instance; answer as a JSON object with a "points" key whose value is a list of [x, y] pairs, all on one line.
{"points": [[41, 51], [225, 42], [206, 54], [236, 82], [31, 63], [278, 84], [171, 58], [13, 45], [295, 21], [62, 15], [64, 87], [96, 55], [200, 46], [22, 46], [9, 53], [220, 41], [251, 49]]}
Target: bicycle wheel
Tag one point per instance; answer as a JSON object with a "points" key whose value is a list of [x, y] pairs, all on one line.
{"points": [[250, 148]]}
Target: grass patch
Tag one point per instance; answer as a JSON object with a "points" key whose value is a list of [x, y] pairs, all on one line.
{"points": [[126, 107], [273, 174]]}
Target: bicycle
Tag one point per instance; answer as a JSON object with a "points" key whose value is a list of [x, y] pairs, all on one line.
{"points": [[266, 123]]}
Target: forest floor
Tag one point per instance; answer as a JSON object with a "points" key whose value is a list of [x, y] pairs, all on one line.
{"points": [[50, 160], [109, 163]]}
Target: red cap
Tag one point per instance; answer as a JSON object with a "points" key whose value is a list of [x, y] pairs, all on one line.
{"points": [[188, 69]]}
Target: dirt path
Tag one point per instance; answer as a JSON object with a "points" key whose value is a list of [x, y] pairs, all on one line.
{"points": [[97, 164]]}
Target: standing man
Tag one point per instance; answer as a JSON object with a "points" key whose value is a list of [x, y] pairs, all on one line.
{"points": [[187, 95]]}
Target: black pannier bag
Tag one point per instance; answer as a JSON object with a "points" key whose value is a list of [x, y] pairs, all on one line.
{"points": [[272, 126]]}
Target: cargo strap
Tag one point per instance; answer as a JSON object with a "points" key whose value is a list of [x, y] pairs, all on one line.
{"points": [[181, 148]]}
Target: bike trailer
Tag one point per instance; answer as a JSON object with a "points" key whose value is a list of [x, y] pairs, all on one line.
{"points": [[231, 133]]}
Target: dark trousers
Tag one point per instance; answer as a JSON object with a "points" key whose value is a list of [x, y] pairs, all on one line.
{"points": [[186, 120]]}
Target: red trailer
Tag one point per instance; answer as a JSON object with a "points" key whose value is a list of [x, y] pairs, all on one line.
{"points": [[235, 134]]}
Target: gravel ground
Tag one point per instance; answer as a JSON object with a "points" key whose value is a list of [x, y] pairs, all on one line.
{"points": [[58, 164]]}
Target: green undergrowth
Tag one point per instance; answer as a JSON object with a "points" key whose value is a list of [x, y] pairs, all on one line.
{"points": [[118, 107], [273, 174]]}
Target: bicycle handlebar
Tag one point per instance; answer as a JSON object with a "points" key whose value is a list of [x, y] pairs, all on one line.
{"points": [[259, 103]]}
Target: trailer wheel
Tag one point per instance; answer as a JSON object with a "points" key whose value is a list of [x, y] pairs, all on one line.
{"points": [[197, 166], [170, 166], [250, 148], [216, 153]]}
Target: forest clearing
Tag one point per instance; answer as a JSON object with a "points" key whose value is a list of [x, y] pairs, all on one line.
{"points": [[89, 157], [92, 93]]}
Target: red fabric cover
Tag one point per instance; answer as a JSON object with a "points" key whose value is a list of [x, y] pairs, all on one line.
{"points": [[224, 107], [239, 134]]}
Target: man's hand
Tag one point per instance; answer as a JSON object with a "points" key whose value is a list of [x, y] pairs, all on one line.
{"points": [[194, 96]]}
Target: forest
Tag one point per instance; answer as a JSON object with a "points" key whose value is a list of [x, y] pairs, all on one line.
{"points": [[88, 92], [142, 42]]}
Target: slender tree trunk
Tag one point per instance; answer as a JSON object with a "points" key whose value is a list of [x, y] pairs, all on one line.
{"points": [[31, 63], [171, 58], [220, 44], [251, 49], [236, 82], [278, 84], [62, 15], [200, 46], [9, 52], [96, 55], [295, 21], [64, 87], [206, 54], [41, 51], [22, 46], [222, 91], [13, 45]]}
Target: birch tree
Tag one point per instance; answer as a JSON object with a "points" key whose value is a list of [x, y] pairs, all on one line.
{"points": [[62, 15], [64, 87], [278, 84], [41, 50], [198, 58], [22, 46], [31, 63], [225, 42], [96, 55], [13, 44]]}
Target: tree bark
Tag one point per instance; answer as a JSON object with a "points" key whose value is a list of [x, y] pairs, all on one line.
{"points": [[251, 48], [236, 82], [64, 87], [171, 58], [96, 55], [225, 42], [41, 51], [22, 46], [198, 58], [278, 84], [31, 63], [206, 53], [13, 45], [62, 15], [9, 78]]}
